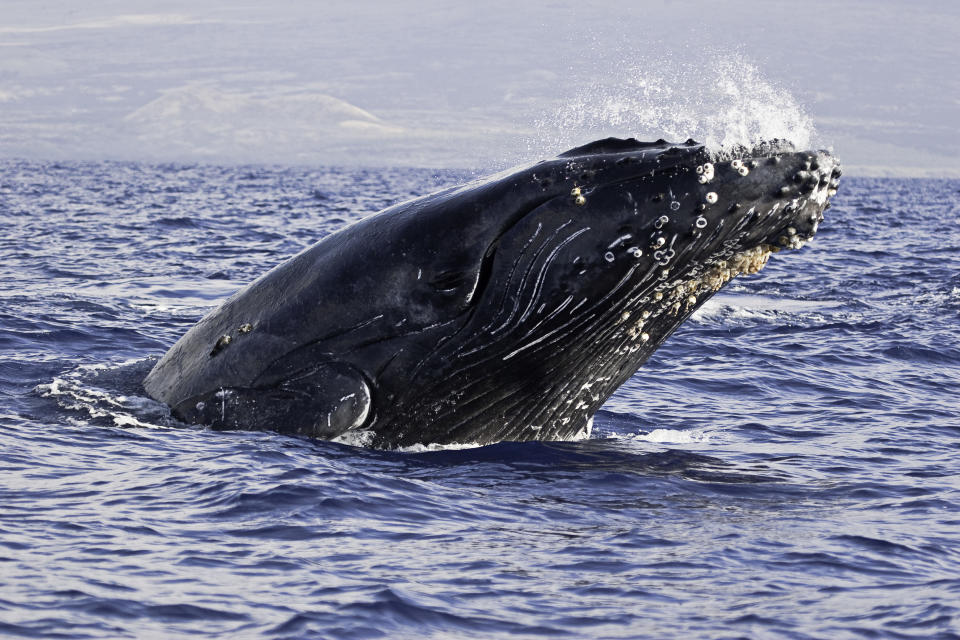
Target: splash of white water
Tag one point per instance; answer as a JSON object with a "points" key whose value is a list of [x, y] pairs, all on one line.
{"points": [[722, 100]]}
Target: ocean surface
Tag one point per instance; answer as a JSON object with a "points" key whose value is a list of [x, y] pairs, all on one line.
{"points": [[786, 466]]}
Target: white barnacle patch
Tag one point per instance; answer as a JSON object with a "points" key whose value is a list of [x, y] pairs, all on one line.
{"points": [[609, 257], [636, 252], [662, 220], [636, 329], [791, 241], [711, 197], [749, 261], [701, 222], [222, 343], [683, 295], [659, 241]]}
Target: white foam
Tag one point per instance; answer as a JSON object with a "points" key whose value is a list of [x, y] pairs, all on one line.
{"points": [[421, 448], [360, 438], [672, 436], [765, 309], [365, 438], [76, 392], [722, 100]]}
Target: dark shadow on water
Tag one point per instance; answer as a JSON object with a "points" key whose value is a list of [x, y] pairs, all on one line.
{"points": [[608, 455]]}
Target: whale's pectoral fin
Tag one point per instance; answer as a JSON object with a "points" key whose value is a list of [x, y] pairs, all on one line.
{"points": [[321, 402]]}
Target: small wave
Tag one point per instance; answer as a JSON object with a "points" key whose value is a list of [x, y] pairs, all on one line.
{"points": [[942, 298], [109, 394], [762, 309]]}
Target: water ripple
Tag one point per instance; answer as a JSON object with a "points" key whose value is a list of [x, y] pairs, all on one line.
{"points": [[785, 466]]}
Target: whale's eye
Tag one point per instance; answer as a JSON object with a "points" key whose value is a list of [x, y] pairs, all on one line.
{"points": [[464, 286], [449, 281]]}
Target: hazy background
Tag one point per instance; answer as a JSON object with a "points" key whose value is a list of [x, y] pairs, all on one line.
{"points": [[475, 85]]}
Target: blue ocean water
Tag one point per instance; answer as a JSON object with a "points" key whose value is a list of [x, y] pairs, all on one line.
{"points": [[786, 466]]}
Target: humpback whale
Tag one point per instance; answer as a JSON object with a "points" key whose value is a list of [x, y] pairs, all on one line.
{"points": [[509, 308]]}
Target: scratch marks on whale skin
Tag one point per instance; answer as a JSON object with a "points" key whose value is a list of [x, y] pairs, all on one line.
{"points": [[536, 294], [514, 292], [513, 270], [538, 287]]}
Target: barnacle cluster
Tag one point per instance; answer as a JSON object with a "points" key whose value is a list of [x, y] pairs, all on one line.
{"points": [[748, 261], [684, 295]]}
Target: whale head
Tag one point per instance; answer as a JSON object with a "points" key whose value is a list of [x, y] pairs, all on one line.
{"points": [[506, 309]]}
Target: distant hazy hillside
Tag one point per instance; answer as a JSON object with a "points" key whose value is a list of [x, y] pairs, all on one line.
{"points": [[205, 121]]}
